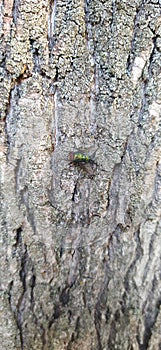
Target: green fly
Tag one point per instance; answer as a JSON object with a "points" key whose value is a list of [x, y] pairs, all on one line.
{"points": [[83, 160]]}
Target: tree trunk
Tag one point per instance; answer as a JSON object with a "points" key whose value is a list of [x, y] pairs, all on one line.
{"points": [[80, 241]]}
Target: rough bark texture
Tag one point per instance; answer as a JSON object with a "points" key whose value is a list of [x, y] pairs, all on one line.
{"points": [[80, 254]]}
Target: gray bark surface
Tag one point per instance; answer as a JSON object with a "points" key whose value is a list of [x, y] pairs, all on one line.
{"points": [[80, 247]]}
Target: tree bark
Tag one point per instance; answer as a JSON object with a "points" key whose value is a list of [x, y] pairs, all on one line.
{"points": [[80, 244]]}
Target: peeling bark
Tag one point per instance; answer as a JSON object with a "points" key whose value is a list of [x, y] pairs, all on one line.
{"points": [[80, 244]]}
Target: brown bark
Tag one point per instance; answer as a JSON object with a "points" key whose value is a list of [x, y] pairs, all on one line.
{"points": [[80, 246]]}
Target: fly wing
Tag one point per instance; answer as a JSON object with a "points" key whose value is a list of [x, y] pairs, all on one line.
{"points": [[88, 168]]}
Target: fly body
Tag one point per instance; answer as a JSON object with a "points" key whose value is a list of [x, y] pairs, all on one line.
{"points": [[80, 158]]}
